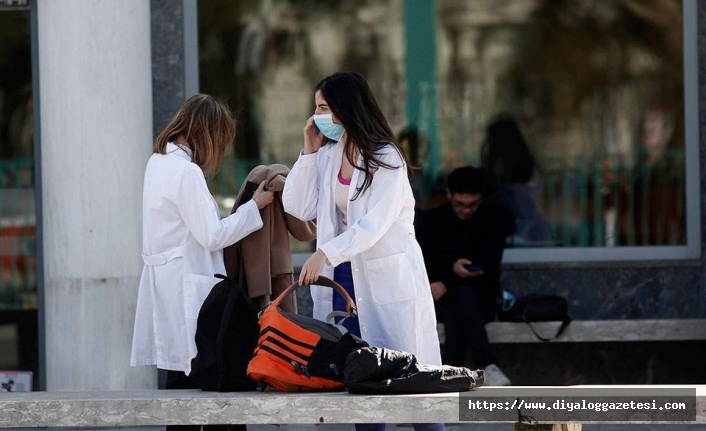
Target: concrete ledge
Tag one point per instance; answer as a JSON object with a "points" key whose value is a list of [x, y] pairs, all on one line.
{"points": [[601, 331], [187, 407]]}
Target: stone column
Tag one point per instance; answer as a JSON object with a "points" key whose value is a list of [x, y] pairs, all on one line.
{"points": [[95, 113], [175, 63]]}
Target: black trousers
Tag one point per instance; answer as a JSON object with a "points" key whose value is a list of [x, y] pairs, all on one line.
{"points": [[464, 311], [179, 380]]}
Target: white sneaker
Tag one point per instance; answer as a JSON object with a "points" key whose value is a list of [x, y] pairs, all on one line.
{"points": [[495, 377]]}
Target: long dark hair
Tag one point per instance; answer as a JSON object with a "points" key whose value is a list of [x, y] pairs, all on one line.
{"points": [[351, 101]]}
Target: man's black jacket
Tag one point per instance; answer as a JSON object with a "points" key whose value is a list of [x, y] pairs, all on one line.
{"points": [[444, 238]]}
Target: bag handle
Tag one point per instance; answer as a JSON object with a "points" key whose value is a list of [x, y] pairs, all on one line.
{"points": [[351, 309], [562, 328]]}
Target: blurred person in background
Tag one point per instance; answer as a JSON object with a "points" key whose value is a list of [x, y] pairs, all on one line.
{"points": [[512, 180]]}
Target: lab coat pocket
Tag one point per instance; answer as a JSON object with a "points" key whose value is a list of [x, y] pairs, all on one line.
{"points": [[386, 276], [196, 289]]}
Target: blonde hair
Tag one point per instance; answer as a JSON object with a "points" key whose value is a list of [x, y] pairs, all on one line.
{"points": [[208, 127]]}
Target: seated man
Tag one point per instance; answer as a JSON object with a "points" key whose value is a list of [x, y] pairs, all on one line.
{"points": [[463, 244]]}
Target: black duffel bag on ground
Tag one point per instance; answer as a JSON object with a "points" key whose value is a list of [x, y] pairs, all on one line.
{"points": [[539, 308], [376, 370]]}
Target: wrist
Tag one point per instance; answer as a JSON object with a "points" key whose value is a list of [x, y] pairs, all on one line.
{"points": [[323, 255]]}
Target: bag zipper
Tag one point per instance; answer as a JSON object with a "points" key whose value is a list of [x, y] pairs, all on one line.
{"points": [[298, 368], [301, 369]]}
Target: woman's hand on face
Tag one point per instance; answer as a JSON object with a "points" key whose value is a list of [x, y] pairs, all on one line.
{"points": [[261, 197], [313, 139], [312, 268]]}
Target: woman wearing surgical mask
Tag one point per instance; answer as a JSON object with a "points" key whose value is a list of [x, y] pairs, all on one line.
{"points": [[352, 178]]}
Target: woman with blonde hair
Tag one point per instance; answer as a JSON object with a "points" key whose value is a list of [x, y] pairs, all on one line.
{"points": [[183, 235]]}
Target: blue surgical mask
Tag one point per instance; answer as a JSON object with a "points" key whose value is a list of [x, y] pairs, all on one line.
{"points": [[325, 124]]}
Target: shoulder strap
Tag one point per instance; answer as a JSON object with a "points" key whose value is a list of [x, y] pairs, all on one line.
{"points": [[331, 317]]}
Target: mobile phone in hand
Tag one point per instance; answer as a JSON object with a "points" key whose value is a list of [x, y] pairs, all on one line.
{"points": [[473, 267]]}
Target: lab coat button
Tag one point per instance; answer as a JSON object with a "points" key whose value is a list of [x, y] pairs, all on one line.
{"points": [[365, 329]]}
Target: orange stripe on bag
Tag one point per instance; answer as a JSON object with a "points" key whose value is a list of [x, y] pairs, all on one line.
{"points": [[275, 340]]}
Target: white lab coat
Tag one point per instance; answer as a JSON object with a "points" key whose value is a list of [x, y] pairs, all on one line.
{"points": [[183, 238], [395, 306]]}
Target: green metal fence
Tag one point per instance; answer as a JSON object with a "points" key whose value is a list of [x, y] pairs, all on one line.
{"points": [[609, 201], [592, 202], [603, 201]]}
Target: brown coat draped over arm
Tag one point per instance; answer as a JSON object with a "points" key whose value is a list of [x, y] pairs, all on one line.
{"points": [[262, 261]]}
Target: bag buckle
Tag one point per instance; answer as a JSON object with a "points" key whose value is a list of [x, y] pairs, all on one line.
{"points": [[300, 369], [259, 314]]}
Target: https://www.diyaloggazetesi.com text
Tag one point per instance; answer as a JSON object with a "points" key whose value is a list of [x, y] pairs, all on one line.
{"points": [[584, 404]]}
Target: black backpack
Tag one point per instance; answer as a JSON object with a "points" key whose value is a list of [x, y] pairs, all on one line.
{"points": [[226, 336]]}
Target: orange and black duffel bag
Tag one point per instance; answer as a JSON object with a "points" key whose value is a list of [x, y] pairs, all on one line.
{"points": [[297, 353]]}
